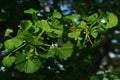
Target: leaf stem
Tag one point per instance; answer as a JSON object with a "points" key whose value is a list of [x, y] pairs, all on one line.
{"points": [[90, 39], [17, 48], [39, 35]]}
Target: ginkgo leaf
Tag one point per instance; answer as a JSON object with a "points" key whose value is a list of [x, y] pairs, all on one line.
{"points": [[56, 14], [29, 66], [8, 61], [30, 11], [112, 20], [13, 43], [43, 24], [65, 51]]}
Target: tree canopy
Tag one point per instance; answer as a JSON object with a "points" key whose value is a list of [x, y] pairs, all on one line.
{"points": [[59, 40]]}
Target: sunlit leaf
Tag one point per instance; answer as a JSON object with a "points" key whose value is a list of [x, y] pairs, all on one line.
{"points": [[112, 20]]}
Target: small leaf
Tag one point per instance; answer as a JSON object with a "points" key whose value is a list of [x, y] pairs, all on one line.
{"points": [[56, 14], [91, 18], [113, 20], [20, 58], [55, 33], [9, 44], [65, 51], [49, 54], [82, 25], [25, 25], [29, 66], [13, 43], [8, 31], [8, 61], [74, 35], [30, 11], [72, 17], [43, 24]]}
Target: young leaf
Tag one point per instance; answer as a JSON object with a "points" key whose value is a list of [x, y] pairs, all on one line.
{"points": [[113, 20], [56, 14], [29, 66], [65, 51], [8, 31], [8, 61]]}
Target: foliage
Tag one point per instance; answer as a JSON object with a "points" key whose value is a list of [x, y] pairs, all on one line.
{"points": [[48, 41]]}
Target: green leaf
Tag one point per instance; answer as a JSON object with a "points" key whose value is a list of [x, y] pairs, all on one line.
{"points": [[94, 33], [65, 51], [35, 41], [29, 66], [74, 35], [56, 24], [31, 11], [8, 31], [91, 18], [112, 20], [55, 33], [28, 36], [8, 61], [82, 25], [13, 43], [49, 54], [25, 25], [56, 14], [72, 17], [20, 58], [34, 17], [43, 24]]}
